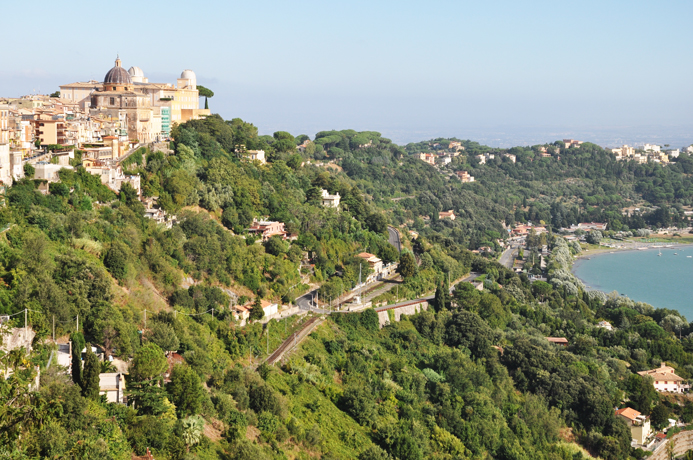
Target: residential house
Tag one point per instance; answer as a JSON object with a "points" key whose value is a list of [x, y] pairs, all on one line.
{"points": [[447, 215], [511, 157], [375, 264], [269, 308], [560, 341], [330, 201], [651, 148], [267, 229], [48, 171], [639, 424], [481, 158], [572, 143], [666, 380], [427, 157], [241, 313], [605, 325], [445, 160], [464, 176], [112, 384], [587, 226], [523, 230], [455, 145], [256, 155]]}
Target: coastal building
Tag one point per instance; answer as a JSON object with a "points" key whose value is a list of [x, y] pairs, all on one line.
{"points": [[455, 145], [639, 424], [510, 157], [651, 148], [666, 380]]}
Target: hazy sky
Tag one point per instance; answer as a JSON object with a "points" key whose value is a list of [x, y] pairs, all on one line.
{"points": [[503, 72]]}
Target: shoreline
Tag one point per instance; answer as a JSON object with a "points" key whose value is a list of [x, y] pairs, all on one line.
{"points": [[587, 254], [673, 303]]}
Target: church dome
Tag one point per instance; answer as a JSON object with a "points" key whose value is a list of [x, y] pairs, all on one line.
{"points": [[118, 75], [188, 74], [135, 72]]}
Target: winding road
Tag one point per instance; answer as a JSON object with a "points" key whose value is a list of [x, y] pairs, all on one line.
{"points": [[394, 238]]}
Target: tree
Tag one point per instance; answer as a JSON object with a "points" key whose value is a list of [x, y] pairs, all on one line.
{"points": [[90, 376], [164, 336], [256, 312], [466, 296], [407, 265], [29, 170], [193, 427], [116, 260], [541, 289], [206, 93], [377, 223], [369, 320], [467, 329], [594, 237], [276, 245], [148, 363], [78, 344], [406, 448], [442, 295], [55, 94], [185, 390], [659, 416]]}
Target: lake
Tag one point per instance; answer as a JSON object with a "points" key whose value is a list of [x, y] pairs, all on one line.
{"points": [[643, 276]]}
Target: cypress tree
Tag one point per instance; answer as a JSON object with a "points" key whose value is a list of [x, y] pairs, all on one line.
{"points": [[77, 345], [90, 376]]}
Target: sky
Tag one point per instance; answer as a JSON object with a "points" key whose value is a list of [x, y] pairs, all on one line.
{"points": [[499, 72]]}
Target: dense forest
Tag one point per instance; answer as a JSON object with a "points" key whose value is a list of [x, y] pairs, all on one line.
{"points": [[471, 377]]}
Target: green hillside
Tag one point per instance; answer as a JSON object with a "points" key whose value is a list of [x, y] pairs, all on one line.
{"points": [[473, 377]]}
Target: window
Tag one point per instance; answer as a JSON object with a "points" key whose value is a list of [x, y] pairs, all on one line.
{"points": [[112, 101]]}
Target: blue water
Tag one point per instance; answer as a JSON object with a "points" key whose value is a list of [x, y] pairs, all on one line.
{"points": [[643, 276]]}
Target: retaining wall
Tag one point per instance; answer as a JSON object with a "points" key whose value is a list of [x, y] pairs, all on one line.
{"points": [[683, 443], [385, 316]]}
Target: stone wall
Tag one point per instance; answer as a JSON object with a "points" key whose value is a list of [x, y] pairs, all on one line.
{"points": [[384, 316], [683, 443]]}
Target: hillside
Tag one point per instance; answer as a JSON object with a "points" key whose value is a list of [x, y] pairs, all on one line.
{"points": [[472, 377]]}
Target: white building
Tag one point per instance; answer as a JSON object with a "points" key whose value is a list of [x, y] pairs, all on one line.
{"points": [[665, 380], [330, 201], [651, 148], [112, 384], [605, 325], [48, 171], [258, 155]]}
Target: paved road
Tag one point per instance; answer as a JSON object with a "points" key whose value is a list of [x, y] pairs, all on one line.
{"points": [[394, 238], [506, 259]]}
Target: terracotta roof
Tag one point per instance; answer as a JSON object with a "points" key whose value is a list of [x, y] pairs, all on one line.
{"points": [[366, 255], [628, 413], [665, 376], [557, 339]]}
